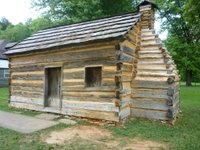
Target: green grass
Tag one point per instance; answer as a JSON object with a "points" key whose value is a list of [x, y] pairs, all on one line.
{"points": [[184, 135], [5, 107]]}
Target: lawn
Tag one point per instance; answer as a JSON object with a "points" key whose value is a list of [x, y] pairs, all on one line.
{"points": [[184, 135], [4, 104]]}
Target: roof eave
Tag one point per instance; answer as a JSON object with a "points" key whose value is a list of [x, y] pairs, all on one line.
{"points": [[71, 45]]}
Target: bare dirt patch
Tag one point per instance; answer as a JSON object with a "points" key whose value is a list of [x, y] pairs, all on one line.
{"points": [[100, 136], [84, 132]]}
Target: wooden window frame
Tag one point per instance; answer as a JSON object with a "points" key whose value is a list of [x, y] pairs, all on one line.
{"points": [[93, 66], [6, 72]]}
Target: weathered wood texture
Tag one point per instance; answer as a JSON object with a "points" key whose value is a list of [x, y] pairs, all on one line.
{"points": [[126, 69], [28, 81], [155, 88]]}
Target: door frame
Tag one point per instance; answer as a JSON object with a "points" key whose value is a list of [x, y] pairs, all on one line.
{"points": [[46, 85]]}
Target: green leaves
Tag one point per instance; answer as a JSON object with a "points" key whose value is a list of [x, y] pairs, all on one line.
{"points": [[182, 22], [76, 10]]}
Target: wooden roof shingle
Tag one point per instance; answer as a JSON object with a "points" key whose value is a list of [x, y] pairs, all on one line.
{"points": [[105, 28]]}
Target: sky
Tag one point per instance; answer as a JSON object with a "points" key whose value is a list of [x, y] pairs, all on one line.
{"points": [[17, 11]]}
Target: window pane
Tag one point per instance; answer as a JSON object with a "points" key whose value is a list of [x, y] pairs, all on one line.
{"points": [[6, 73]]}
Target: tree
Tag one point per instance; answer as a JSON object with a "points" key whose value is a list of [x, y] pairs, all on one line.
{"points": [[39, 24], [4, 23], [21, 31], [15, 33], [182, 22], [76, 10]]}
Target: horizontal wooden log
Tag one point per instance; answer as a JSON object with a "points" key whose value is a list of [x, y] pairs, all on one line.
{"points": [[26, 106], [28, 68], [150, 84], [28, 73], [28, 94], [67, 56], [91, 94], [108, 82], [150, 93], [73, 70], [74, 75], [89, 89], [27, 77], [151, 78], [111, 116], [29, 88], [124, 58], [82, 63], [150, 114], [89, 99], [111, 68], [72, 83], [24, 84], [21, 99], [149, 104], [109, 75], [27, 81], [98, 106], [127, 50]]}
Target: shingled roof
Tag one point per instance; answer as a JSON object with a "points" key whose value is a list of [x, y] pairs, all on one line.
{"points": [[110, 27]]}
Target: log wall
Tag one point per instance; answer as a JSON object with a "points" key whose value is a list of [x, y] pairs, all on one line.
{"points": [[28, 81], [127, 69]]}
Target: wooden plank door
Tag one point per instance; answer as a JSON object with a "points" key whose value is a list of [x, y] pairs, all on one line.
{"points": [[52, 87]]}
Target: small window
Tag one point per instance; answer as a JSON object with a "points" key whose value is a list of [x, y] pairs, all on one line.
{"points": [[93, 76], [6, 73]]}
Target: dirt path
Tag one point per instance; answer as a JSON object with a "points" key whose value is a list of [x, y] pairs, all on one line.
{"points": [[102, 136]]}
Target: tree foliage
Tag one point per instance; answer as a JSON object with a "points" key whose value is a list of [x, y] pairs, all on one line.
{"points": [[16, 33], [4, 23], [182, 20], [76, 10]]}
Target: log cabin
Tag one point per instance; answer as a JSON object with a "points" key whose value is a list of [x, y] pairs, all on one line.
{"points": [[109, 69]]}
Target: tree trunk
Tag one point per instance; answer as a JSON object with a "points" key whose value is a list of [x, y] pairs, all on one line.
{"points": [[188, 77]]}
